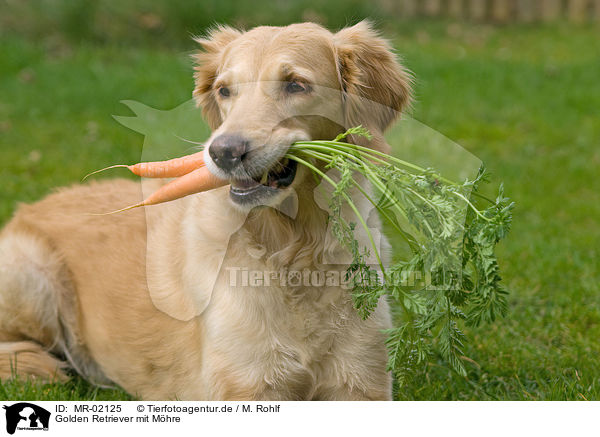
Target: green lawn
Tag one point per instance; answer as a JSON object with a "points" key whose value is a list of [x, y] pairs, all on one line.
{"points": [[523, 99]]}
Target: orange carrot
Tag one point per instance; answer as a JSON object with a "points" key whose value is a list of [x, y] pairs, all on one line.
{"points": [[169, 169], [194, 182]]}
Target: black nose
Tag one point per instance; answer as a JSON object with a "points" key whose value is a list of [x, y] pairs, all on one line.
{"points": [[227, 151]]}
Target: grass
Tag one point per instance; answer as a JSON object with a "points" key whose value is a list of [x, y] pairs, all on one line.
{"points": [[523, 99], [76, 389]]}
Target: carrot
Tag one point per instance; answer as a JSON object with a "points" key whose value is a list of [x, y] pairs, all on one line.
{"points": [[194, 182], [171, 168]]}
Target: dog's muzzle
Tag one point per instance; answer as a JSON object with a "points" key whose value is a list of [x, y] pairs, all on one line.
{"points": [[230, 153]]}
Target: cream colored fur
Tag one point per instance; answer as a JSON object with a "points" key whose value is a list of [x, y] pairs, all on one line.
{"points": [[86, 288]]}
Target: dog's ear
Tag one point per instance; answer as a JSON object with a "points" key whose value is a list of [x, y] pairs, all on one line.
{"points": [[376, 88], [207, 62]]}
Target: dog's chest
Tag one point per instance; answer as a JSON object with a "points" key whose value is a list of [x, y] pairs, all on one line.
{"points": [[305, 317], [277, 335]]}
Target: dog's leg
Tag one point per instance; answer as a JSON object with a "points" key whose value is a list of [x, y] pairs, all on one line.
{"points": [[351, 380], [382, 391], [25, 358], [31, 276], [374, 384], [356, 368]]}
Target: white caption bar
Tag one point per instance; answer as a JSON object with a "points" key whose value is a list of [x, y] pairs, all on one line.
{"points": [[298, 418]]}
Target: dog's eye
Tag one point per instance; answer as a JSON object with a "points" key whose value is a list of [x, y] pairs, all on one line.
{"points": [[295, 87], [224, 91]]}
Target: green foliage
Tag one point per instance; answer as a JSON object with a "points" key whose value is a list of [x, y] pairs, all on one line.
{"points": [[452, 246]]}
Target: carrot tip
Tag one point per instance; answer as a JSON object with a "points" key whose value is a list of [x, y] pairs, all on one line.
{"points": [[127, 208], [103, 169]]}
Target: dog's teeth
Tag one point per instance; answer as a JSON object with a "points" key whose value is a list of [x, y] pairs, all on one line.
{"points": [[264, 178]]}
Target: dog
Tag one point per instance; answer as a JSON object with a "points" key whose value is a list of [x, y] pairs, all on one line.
{"points": [[75, 288]]}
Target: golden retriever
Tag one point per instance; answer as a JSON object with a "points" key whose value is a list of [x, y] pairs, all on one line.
{"points": [[75, 288]]}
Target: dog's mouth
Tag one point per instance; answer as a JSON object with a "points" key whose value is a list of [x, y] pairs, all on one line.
{"points": [[278, 177]]}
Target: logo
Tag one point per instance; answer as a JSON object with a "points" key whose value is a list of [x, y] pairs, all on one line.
{"points": [[26, 416]]}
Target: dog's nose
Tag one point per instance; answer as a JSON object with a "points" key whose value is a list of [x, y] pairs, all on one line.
{"points": [[227, 151]]}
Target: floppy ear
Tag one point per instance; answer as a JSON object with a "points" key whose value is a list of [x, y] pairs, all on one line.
{"points": [[376, 88], [207, 67]]}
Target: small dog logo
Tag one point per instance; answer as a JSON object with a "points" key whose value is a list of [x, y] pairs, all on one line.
{"points": [[26, 416]]}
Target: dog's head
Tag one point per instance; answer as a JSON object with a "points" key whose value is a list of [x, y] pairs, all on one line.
{"points": [[262, 90]]}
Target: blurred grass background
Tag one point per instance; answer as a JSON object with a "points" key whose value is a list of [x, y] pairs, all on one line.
{"points": [[523, 98]]}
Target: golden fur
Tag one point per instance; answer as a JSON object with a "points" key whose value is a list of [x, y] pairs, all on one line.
{"points": [[77, 286]]}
